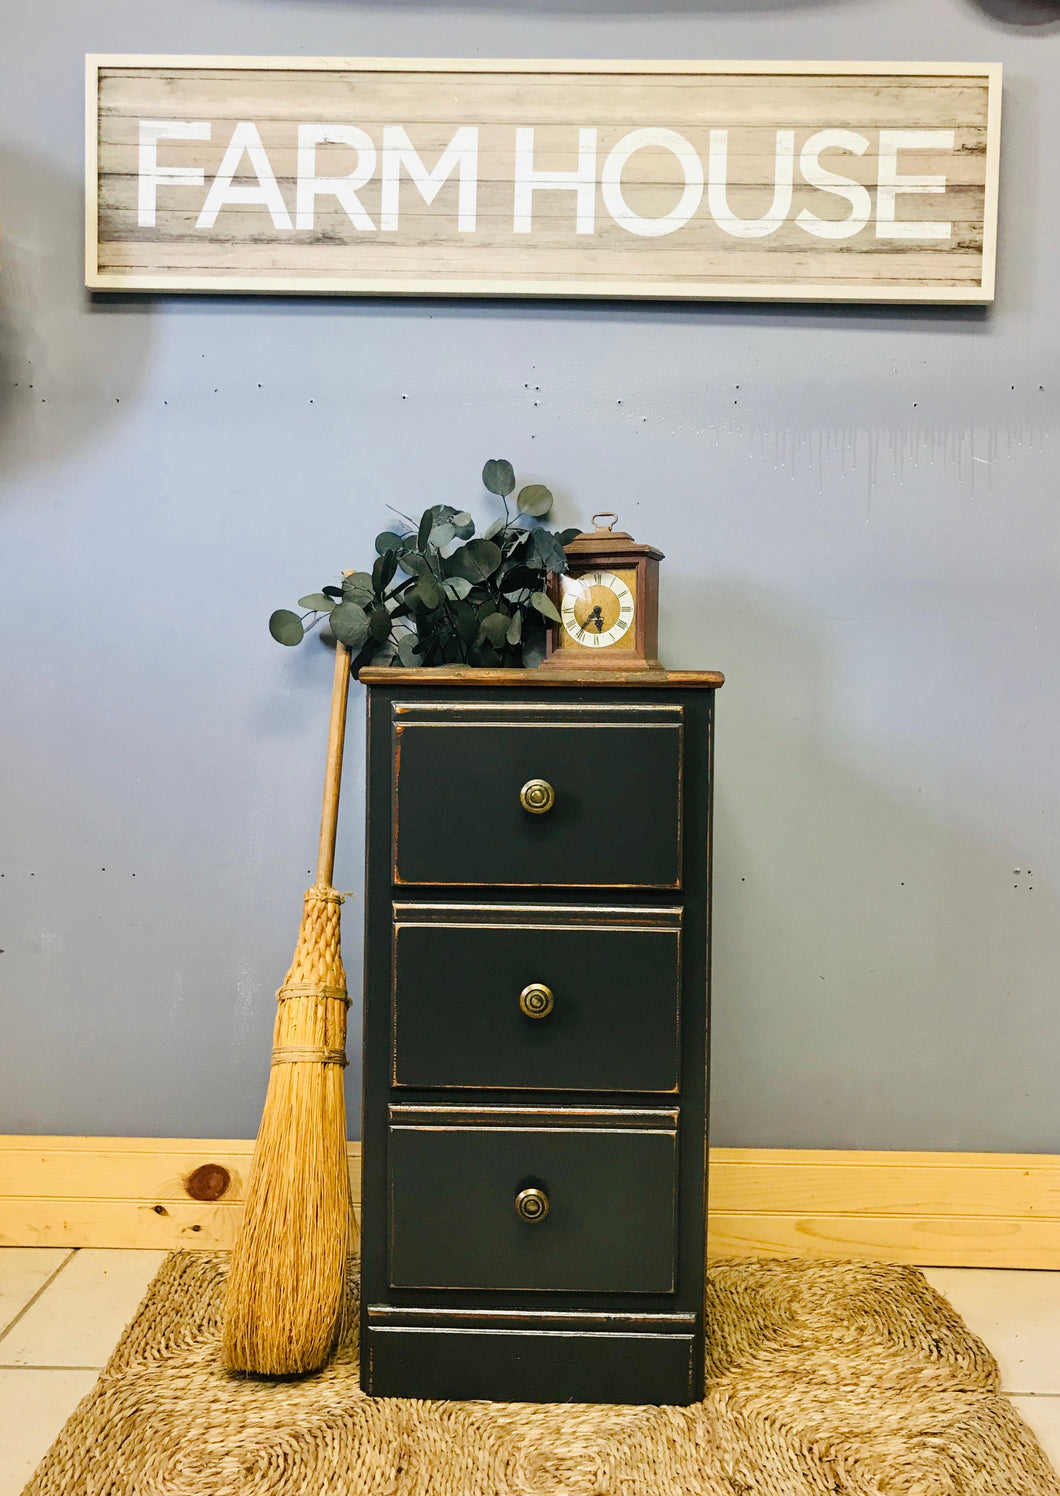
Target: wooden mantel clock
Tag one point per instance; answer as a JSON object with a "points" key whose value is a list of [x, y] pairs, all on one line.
{"points": [[608, 602]]}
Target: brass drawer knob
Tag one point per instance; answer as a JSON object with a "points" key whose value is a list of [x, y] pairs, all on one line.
{"points": [[537, 1000], [537, 796], [531, 1205]]}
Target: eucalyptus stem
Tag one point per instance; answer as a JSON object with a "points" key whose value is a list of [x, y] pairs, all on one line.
{"points": [[461, 642], [470, 581]]}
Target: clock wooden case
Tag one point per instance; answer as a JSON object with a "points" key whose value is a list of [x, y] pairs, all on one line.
{"points": [[608, 602], [535, 1034]]}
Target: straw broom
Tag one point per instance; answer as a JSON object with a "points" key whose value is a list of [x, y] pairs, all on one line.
{"points": [[286, 1285]]}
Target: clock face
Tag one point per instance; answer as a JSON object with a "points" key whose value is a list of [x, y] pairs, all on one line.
{"points": [[597, 609]]}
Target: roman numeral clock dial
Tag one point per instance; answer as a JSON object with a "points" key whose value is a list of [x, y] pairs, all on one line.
{"points": [[608, 602], [597, 609]]}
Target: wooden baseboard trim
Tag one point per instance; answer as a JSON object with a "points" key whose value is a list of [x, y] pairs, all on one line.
{"points": [[930, 1209], [933, 1209], [123, 1192]]}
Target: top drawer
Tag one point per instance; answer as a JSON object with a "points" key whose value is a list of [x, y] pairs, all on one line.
{"points": [[614, 774]]}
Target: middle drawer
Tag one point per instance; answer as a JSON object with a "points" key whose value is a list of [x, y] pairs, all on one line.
{"points": [[536, 997]]}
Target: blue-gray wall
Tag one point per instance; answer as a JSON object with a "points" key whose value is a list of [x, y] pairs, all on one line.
{"points": [[860, 510]]}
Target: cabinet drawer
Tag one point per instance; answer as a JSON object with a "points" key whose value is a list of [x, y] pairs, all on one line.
{"points": [[600, 1011], [616, 779], [457, 1176]]}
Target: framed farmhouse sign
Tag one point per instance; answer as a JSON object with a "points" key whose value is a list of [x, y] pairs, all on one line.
{"points": [[788, 181]]}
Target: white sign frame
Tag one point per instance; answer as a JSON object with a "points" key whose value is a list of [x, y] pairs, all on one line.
{"points": [[634, 80]]}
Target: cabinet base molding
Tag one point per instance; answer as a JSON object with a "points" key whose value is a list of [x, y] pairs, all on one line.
{"points": [[530, 1365], [932, 1209]]}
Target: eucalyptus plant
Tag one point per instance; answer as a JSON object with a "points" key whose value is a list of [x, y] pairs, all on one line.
{"points": [[437, 594]]}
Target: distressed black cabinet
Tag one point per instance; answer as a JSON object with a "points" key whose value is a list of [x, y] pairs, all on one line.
{"points": [[535, 1035]]}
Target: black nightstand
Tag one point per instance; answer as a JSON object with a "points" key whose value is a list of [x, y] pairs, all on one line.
{"points": [[535, 1034]]}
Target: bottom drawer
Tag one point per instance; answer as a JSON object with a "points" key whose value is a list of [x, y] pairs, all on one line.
{"points": [[576, 1200]]}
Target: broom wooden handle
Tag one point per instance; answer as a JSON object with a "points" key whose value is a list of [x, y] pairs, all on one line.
{"points": [[329, 815]]}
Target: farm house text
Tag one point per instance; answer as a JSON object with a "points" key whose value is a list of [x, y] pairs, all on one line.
{"points": [[599, 185]]}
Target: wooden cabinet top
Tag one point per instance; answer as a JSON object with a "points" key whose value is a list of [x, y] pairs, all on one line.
{"points": [[463, 675]]}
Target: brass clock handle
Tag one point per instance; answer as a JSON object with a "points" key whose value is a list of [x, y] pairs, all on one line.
{"points": [[537, 796], [537, 1000], [531, 1205], [605, 514]]}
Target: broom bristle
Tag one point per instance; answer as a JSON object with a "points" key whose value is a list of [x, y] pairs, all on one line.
{"points": [[285, 1294]]}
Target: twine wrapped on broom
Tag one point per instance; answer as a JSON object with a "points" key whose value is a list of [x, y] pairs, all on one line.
{"points": [[285, 1295]]}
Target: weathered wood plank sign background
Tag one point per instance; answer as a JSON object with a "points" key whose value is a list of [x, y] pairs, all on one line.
{"points": [[790, 181]]}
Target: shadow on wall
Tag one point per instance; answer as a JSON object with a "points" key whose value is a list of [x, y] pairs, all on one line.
{"points": [[614, 10], [1018, 14], [1022, 14], [67, 363]]}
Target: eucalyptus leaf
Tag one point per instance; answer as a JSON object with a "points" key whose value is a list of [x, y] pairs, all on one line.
{"points": [[498, 476], [442, 535], [383, 571], [465, 618], [494, 628], [514, 540], [379, 624], [357, 586], [515, 629], [286, 627], [485, 654], [566, 536], [428, 590], [519, 578], [495, 529], [533, 651], [426, 526], [362, 657], [457, 587], [535, 499], [406, 648], [464, 525], [548, 550], [545, 606], [317, 601], [476, 560], [389, 541], [335, 592], [413, 563], [349, 624]]}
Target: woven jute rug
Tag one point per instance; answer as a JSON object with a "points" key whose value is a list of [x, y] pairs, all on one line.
{"points": [[840, 1378]]}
